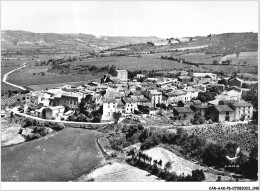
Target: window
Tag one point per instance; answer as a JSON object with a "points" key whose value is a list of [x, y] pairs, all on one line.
{"points": [[227, 113]]}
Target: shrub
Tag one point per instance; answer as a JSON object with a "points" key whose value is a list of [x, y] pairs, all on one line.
{"points": [[198, 175], [214, 155]]}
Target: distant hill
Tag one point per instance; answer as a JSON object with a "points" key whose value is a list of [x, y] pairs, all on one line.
{"points": [[51, 42], [226, 43]]}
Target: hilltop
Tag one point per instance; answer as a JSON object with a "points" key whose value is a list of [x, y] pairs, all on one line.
{"points": [[56, 43]]}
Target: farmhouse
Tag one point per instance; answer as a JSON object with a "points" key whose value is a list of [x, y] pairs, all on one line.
{"points": [[183, 112], [220, 113], [242, 109]]}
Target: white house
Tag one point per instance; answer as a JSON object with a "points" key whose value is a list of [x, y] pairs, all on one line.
{"points": [[130, 105], [109, 107], [122, 75], [155, 96]]}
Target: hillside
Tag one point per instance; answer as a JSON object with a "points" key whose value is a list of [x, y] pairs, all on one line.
{"points": [[226, 43], [51, 42]]}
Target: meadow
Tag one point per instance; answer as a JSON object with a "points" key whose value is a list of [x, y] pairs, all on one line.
{"points": [[63, 156]]}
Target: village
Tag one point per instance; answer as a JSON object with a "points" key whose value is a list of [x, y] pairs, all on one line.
{"points": [[191, 98]]}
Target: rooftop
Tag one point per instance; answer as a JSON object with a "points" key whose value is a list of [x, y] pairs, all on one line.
{"points": [[183, 110], [242, 104], [223, 108]]}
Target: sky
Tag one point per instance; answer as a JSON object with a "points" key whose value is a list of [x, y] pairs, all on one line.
{"points": [[163, 19]]}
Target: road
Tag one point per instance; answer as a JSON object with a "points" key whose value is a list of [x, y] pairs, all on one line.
{"points": [[15, 111], [6, 76]]}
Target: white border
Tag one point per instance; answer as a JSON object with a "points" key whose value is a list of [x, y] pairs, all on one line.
{"points": [[130, 185]]}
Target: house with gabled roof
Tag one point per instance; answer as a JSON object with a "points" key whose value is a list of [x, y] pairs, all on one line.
{"points": [[183, 112], [220, 113]]}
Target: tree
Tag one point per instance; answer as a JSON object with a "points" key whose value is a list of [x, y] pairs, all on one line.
{"points": [[112, 70], [250, 168], [198, 175], [215, 62], [214, 155], [116, 116], [168, 166]]}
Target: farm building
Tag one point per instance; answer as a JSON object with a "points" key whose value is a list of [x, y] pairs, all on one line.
{"points": [[184, 112], [53, 112], [235, 81], [220, 113]]}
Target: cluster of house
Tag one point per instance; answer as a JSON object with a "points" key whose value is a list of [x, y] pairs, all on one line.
{"points": [[178, 95]]}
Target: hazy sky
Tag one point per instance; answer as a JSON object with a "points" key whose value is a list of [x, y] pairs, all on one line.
{"points": [[131, 18]]}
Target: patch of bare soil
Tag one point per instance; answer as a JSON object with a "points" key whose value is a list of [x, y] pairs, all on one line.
{"points": [[10, 133], [119, 172]]}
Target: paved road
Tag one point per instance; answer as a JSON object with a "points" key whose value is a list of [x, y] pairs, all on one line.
{"points": [[6, 75]]}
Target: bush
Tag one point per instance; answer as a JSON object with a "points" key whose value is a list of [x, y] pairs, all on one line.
{"points": [[57, 126], [214, 155], [198, 175]]}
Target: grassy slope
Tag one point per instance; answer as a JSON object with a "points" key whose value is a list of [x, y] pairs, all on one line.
{"points": [[62, 157]]}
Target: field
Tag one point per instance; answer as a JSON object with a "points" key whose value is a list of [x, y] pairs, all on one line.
{"points": [[199, 57], [229, 69], [132, 63], [6, 66], [63, 156]]}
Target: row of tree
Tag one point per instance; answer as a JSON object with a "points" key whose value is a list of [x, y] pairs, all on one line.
{"points": [[143, 161]]}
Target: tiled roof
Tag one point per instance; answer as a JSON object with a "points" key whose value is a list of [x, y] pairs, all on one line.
{"points": [[223, 108], [242, 104], [183, 110], [196, 102]]}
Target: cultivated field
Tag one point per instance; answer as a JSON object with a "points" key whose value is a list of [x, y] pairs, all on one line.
{"points": [[39, 75], [198, 57], [63, 156], [132, 63]]}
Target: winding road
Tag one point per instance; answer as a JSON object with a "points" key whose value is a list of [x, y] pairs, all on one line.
{"points": [[14, 85]]}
